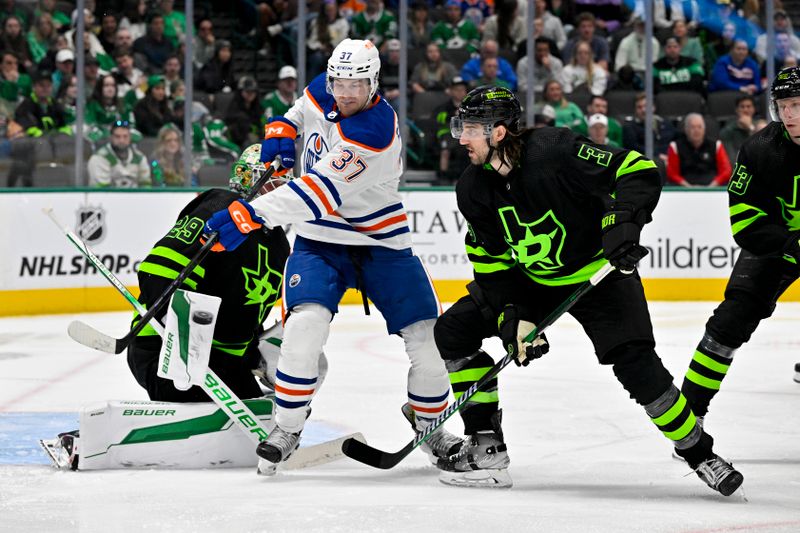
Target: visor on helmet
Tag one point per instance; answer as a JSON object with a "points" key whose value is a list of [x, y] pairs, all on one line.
{"points": [[469, 129], [345, 87]]}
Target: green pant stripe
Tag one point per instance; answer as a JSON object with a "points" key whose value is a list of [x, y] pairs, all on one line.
{"points": [[164, 272], [684, 430], [481, 397], [233, 348], [671, 413], [468, 375], [484, 268], [709, 363], [703, 381], [739, 226], [182, 260]]}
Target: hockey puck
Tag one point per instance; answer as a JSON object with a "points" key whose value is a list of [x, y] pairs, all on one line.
{"points": [[202, 317]]}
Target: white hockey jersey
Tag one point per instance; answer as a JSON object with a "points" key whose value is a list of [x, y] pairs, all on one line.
{"points": [[348, 190]]}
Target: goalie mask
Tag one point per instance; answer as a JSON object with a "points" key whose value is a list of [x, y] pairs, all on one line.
{"points": [[246, 171], [353, 59]]}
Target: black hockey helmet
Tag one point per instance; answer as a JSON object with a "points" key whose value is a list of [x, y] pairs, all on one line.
{"points": [[785, 85], [488, 105]]}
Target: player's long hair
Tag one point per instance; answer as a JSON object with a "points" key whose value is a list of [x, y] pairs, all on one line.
{"points": [[510, 149]]}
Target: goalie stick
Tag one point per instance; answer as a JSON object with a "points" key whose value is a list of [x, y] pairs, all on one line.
{"points": [[89, 336], [226, 399], [374, 457]]}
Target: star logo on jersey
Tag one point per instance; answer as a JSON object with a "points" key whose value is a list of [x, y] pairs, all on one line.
{"points": [[262, 283], [537, 245], [791, 211]]}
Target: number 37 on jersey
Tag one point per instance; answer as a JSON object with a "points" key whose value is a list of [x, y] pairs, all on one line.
{"points": [[349, 164]]}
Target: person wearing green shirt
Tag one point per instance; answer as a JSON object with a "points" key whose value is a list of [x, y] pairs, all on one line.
{"points": [[41, 37], [598, 130], [174, 23], [281, 99], [374, 24], [49, 6], [455, 32], [568, 114], [599, 104], [14, 86]]}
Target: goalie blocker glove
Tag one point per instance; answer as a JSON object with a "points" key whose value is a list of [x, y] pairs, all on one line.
{"points": [[513, 330], [621, 239]]}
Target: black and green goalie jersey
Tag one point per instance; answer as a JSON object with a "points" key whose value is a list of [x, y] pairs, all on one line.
{"points": [[247, 279], [542, 222], [763, 193]]}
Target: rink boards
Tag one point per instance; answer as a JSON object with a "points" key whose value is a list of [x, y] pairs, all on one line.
{"points": [[692, 251]]}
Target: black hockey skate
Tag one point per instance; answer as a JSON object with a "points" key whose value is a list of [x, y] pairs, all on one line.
{"points": [[63, 450], [440, 444], [719, 475], [797, 372]]}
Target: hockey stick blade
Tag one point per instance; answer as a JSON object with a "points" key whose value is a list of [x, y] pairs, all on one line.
{"points": [[376, 458], [88, 336], [319, 454], [364, 453]]}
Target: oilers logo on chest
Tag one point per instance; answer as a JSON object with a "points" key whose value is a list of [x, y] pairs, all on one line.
{"points": [[314, 150]]}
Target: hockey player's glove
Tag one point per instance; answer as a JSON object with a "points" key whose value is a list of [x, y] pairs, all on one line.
{"points": [[621, 240], [513, 331], [792, 246], [279, 136], [233, 225]]}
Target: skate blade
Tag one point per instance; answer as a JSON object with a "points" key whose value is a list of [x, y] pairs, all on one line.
{"points": [[489, 478], [797, 377], [265, 468], [56, 453]]}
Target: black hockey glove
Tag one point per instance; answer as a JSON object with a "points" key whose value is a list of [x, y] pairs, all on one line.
{"points": [[621, 240], [513, 331], [792, 246]]}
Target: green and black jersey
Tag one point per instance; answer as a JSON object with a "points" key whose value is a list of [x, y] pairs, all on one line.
{"points": [[543, 221], [763, 193], [247, 279]]}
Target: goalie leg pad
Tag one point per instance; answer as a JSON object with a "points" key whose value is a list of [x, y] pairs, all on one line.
{"points": [[297, 376]]}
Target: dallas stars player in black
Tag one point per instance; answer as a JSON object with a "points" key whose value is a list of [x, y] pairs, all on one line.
{"points": [[546, 209], [765, 220], [248, 280]]}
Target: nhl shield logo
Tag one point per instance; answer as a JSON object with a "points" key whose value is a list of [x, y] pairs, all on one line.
{"points": [[91, 223]]}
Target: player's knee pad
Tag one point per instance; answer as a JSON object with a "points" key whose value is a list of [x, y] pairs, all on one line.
{"points": [[305, 333], [639, 370], [737, 317], [269, 346]]}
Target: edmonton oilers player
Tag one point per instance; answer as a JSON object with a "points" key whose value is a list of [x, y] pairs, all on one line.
{"points": [[352, 232]]}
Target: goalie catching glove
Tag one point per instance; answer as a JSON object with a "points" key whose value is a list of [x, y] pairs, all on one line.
{"points": [[513, 331], [233, 225], [621, 240]]}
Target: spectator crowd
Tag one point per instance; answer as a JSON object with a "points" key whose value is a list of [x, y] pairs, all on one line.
{"points": [[709, 69]]}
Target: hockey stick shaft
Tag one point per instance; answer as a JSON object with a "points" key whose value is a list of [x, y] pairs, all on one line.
{"points": [[123, 342], [379, 459]]}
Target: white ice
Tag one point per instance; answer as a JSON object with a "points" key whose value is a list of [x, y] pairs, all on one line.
{"points": [[584, 456]]}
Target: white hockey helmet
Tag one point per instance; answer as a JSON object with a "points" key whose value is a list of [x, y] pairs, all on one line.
{"points": [[355, 59]]}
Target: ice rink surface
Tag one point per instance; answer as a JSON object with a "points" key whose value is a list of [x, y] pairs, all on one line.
{"points": [[584, 457]]}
